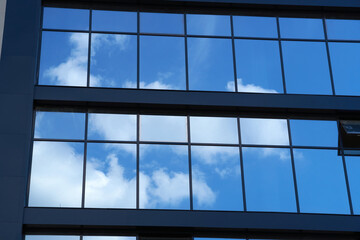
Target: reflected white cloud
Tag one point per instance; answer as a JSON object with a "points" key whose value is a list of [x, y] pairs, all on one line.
{"points": [[282, 154], [248, 87], [158, 84], [203, 194]]}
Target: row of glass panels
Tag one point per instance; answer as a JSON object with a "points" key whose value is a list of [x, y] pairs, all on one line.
{"points": [[159, 176], [60, 237], [198, 63]]}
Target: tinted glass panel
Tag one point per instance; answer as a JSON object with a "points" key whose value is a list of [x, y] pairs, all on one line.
{"points": [[321, 181], [56, 174], [164, 177], [269, 183], [214, 130], [66, 18], [113, 61], [353, 169], [108, 238], [114, 21], [119, 127], [258, 66], [314, 133], [64, 59], [162, 23], [246, 26], [343, 29], [208, 25], [264, 131], [306, 68], [216, 178], [210, 64], [45, 237], [162, 63], [60, 125], [345, 62], [301, 28], [110, 176]]}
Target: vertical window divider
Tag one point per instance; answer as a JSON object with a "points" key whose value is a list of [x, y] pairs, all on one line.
{"points": [[293, 167], [241, 165], [234, 52], [29, 167], [281, 54], [186, 54], [137, 161], [190, 165], [345, 172], [328, 56], [37, 76], [84, 163], [89, 50], [138, 50]]}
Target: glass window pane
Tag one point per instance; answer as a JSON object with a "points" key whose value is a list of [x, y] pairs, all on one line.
{"points": [[211, 65], [343, 29], [107, 238], [64, 59], [345, 62], [258, 66], [306, 68], [216, 178], [66, 18], [162, 23], [353, 169], [314, 133], [115, 21], [306, 28], [321, 181], [56, 174], [269, 182], [60, 125], [110, 176], [214, 25], [162, 62], [264, 131], [247, 26], [113, 61], [214, 130], [51, 237], [163, 128], [116, 127], [164, 177]]}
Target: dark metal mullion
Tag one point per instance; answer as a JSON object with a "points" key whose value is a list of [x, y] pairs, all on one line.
{"points": [[39, 47], [138, 51], [328, 57], [186, 54], [234, 53], [84, 163], [137, 161], [190, 164], [345, 171], [281, 54], [293, 168], [89, 50], [241, 165]]}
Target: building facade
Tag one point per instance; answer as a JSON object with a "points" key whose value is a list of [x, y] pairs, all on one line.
{"points": [[180, 119]]}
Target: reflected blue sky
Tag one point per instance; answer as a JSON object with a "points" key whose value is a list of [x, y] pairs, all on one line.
{"points": [[66, 18], [51, 237], [246, 26], [305, 28], [114, 21], [161, 23], [213, 25], [353, 169], [343, 29]]}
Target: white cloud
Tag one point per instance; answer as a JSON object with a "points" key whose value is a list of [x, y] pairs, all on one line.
{"points": [[203, 194], [157, 84], [248, 87]]}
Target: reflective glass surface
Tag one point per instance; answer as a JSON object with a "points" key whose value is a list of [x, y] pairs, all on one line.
{"points": [[247, 26], [321, 181], [343, 29], [110, 176], [163, 128], [114, 21], [162, 23], [353, 169], [64, 59], [56, 174], [49, 237], [314, 133], [113, 61], [167, 69], [210, 64], [214, 25], [164, 177], [214, 130], [258, 66], [66, 18], [264, 131], [120, 127], [306, 28], [107, 238], [269, 183], [306, 68], [345, 62], [216, 178], [60, 125]]}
